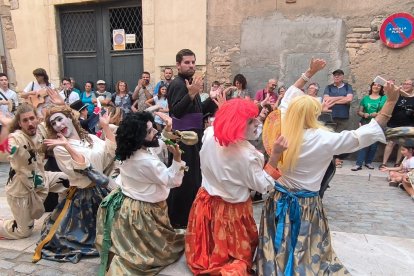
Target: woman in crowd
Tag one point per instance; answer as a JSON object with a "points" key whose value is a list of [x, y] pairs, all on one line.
{"points": [[369, 108], [70, 231], [294, 236], [160, 100], [222, 235], [122, 97], [133, 224], [238, 90], [280, 94], [86, 97]]}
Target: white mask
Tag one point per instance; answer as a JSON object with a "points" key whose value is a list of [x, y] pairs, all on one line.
{"points": [[62, 124]]}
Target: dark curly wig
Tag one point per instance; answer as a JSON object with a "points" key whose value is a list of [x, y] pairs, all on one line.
{"points": [[131, 134]]}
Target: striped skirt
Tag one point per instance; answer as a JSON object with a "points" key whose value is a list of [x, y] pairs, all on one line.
{"points": [[313, 253], [142, 240]]}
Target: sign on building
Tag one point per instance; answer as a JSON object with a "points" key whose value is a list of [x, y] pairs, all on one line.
{"points": [[397, 30], [118, 37]]}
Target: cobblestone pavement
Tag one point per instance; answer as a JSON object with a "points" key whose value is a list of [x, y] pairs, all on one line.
{"points": [[372, 230]]}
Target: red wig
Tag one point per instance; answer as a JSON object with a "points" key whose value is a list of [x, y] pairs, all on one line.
{"points": [[231, 120]]}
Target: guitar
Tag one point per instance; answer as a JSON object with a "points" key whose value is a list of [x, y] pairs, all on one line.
{"points": [[37, 99]]}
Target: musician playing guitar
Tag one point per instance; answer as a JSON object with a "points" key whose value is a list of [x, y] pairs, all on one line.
{"points": [[8, 98], [36, 91]]}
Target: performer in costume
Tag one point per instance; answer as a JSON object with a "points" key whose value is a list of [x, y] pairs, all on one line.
{"points": [[133, 224], [70, 231], [294, 236], [28, 183], [222, 235], [186, 111]]}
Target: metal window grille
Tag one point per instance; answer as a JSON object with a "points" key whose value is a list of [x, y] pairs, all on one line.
{"points": [[78, 31], [129, 19]]}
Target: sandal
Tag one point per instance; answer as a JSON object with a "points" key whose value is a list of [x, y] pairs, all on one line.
{"points": [[382, 166], [356, 168], [338, 165]]}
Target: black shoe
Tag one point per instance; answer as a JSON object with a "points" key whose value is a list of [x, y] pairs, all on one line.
{"points": [[369, 166], [356, 168]]}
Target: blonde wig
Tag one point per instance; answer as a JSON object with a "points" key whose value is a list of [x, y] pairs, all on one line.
{"points": [[302, 114]]}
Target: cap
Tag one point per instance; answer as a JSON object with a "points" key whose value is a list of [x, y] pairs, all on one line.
{"points": [[78, 105], [100, 82], [338, 72]]}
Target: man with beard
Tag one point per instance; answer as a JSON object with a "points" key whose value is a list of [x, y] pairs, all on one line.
{"points": [[28, 183], [137, 211], [168, 74], [187, 111]]}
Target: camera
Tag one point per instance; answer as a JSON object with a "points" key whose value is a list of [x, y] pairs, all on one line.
{"points": [[409, 110]]}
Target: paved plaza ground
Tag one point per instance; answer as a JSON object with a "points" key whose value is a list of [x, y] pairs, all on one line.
{"points": [[372, 229]]}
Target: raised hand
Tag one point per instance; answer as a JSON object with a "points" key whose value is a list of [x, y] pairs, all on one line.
{"points": [[220, 99], [5, 120], [316, 64], [60, 141], [104, 119], [176, 152], [165, 118], [54, 96], [392, 91], [195, 87], [280, 145]]}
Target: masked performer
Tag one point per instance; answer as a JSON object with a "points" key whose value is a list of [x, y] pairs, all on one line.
{"points": [[294, 236], [70, 231], [222, 235], [134, 218], [28, 183]]}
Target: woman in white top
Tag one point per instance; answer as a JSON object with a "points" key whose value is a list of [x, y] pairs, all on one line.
{"points": [[75, 149], [294, 236], [222, 234]]}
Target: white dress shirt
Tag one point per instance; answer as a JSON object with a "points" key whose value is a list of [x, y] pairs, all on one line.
{"points": [[99, 156], [230, 172], [319, 146], [73, 97], [144, 177]]}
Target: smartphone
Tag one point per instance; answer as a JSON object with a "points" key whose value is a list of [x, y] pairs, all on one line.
{"points": [[380, 80]]}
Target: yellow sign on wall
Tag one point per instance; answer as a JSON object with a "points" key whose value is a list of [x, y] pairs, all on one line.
{"points": [[118, 38]]}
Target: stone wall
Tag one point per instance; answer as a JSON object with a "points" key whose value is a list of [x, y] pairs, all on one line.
{"points": [[9, 36], [264, 39]]}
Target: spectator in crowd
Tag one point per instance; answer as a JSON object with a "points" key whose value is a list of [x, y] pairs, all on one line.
{"points": [[8, 98], [339, 94], [122, 97], [67, 94], [396, 175], [402, 115], [268, 93], [238, 89], [88, 123], [280, 94], [75, 86], [101, 94], [168, 76], [34, 92], [143, 91], [87, 97], [313, 90], [161, 101], [369, 108]]}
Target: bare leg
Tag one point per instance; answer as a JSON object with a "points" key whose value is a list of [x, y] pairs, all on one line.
{"points": [[408, 188], [387, 152], [399, 156]]}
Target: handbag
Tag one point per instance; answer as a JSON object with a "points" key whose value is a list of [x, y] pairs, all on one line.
{"points": [[94, 175]]}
